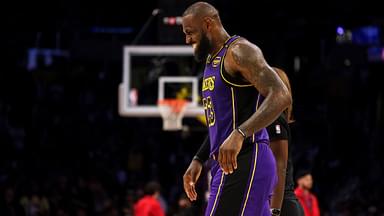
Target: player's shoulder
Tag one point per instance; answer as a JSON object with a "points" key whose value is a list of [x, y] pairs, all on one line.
{"points": [[243, 46], [240, 43]]}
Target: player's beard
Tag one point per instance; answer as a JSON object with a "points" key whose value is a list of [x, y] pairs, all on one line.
{"points": [[202, 50]]}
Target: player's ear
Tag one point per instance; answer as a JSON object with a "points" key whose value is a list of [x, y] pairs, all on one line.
{"points": [[207, 23]]}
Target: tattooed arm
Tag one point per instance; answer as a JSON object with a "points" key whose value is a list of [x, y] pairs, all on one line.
{"points": [[247, 60]]}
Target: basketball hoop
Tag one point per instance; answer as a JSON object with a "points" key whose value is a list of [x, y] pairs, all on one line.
{"points": [[172, 112]]}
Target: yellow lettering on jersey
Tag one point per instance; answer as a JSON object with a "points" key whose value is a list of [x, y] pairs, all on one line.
{"points": [[209, 83]]}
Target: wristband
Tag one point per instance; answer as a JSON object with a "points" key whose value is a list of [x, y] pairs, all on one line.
{"points": [[241, 132], [275, 211], [198, 159]]}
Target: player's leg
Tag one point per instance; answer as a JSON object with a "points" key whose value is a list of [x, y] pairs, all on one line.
{"points": [[264, 181], [227, 191], [215, 188], [247, 190]]}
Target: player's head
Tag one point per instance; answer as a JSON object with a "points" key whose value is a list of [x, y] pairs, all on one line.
{"points": [[200, 21], [283, 76]]}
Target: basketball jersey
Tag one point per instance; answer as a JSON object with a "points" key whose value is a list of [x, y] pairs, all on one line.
{"points": [[228, 101]]}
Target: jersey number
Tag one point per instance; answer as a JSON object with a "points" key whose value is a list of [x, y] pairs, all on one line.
{"points": [[209, 111]]}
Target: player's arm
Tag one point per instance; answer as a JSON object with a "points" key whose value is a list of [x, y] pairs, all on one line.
{"points": [[248, 60], [202, 154], [278, 135], [194, 169]]}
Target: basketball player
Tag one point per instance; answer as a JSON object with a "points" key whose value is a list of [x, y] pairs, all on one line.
{"points": [[284, 200], [241, 96]]}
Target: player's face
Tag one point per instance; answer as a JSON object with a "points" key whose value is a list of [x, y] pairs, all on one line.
{"points": [[196, 37], [202, 48]]}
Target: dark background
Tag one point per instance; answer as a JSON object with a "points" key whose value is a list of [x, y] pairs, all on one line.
{"points": [[63, 144]]}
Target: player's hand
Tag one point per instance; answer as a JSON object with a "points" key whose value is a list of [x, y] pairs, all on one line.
{"points": [[190, 178], [228, 152]]}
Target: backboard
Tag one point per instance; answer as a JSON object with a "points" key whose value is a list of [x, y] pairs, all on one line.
{"points": [[145, 82]]}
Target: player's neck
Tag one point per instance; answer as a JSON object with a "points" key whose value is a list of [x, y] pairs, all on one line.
{"points": [[219, 41]]}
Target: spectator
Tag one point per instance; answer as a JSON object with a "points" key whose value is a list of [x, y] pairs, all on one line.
{"points": [[149, 205], [306, 198]]}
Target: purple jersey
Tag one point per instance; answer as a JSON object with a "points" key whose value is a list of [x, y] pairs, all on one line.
{"points": [[227, 102]]}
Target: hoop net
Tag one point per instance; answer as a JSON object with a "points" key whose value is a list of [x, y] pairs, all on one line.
{"points": [[172, 112]]}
